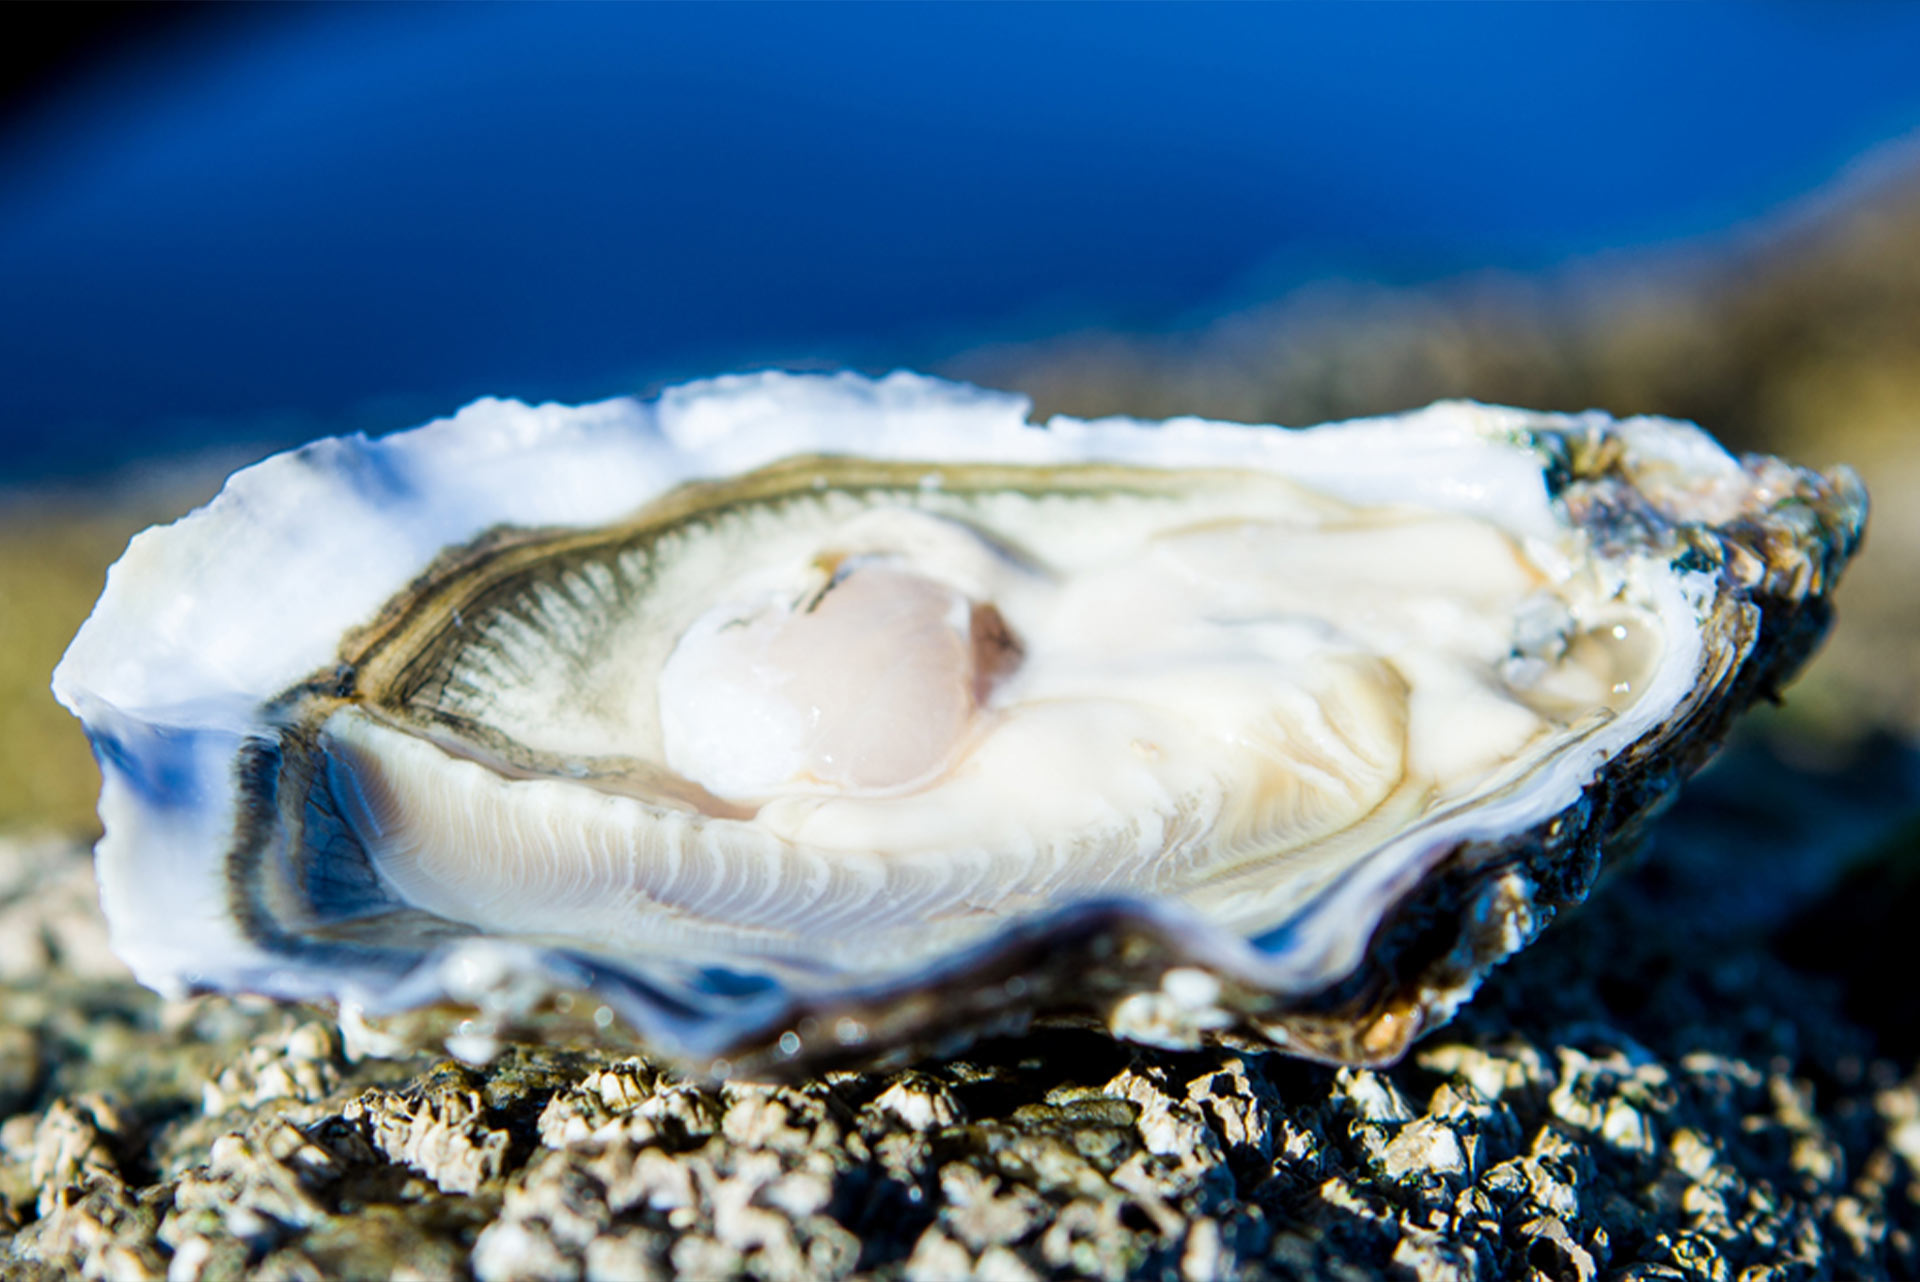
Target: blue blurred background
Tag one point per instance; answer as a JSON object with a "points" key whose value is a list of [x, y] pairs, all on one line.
{"points": [[252, 225]]}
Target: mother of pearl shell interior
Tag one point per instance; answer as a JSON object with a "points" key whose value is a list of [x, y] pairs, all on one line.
{"points": [[840, 713]]}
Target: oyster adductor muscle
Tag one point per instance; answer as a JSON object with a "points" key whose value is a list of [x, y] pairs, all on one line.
{"points": [[803, 717]]}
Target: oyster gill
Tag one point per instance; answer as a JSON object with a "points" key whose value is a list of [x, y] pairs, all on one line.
{"points": [[839, 716]]}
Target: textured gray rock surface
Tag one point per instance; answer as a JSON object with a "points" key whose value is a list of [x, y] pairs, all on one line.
{"points": [[1652, 1091]]}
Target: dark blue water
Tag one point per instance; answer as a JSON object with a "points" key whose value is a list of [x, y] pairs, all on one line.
{"points": [[360, 215]]}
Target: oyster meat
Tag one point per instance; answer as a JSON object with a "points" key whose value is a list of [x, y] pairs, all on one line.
{"points": [[802, 717]]}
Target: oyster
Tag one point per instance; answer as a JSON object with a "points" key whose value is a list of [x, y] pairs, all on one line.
{"points": [[798, 717]]}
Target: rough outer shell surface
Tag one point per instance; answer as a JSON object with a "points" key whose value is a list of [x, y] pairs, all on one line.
{"points": [[798, 719]]}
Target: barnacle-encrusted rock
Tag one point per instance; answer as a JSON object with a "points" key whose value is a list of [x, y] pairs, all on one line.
{"points": [[1544, 1135]]}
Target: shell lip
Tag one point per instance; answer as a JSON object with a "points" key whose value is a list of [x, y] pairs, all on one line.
{"points": [[160, 730]]}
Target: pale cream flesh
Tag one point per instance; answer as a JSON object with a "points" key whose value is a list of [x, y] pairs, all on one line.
{"points": [[920, 712]]}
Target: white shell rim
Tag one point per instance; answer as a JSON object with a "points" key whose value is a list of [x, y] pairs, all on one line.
{"points": [[171, 683]]}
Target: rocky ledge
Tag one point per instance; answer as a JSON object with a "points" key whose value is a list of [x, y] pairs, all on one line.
{"points": [[1695, 1076]]}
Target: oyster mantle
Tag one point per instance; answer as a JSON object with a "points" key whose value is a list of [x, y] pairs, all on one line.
{"points": [[540, 700]]}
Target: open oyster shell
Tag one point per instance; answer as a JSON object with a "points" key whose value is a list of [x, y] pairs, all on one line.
{"points": [[803, 718]]}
